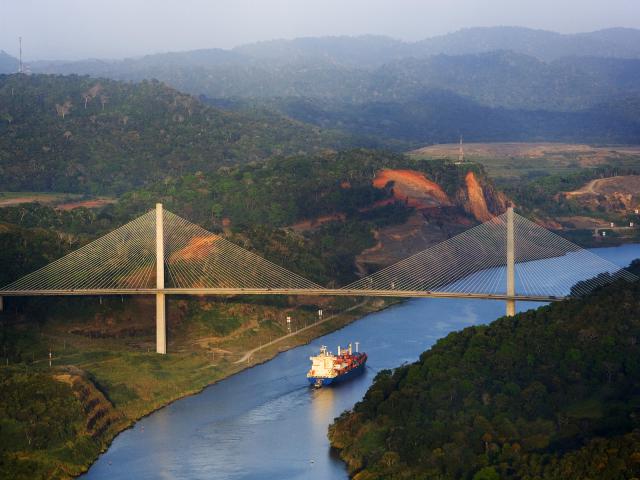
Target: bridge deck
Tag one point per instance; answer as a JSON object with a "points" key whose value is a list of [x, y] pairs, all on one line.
{"points": [[328, 292]]}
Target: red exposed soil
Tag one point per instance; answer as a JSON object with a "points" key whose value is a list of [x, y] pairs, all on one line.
{"points": [[197, 249], [413, 187], [97, 203], [477, 204], [310, 224], [26, 199]]}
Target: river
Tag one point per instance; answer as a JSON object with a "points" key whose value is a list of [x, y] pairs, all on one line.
{"points": [[266, 423]]}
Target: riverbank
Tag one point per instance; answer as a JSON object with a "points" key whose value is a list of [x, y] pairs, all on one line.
{"points": [[528, 396], [135, 384]]}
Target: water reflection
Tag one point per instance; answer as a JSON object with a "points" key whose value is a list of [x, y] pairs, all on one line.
{"points": [[322, 405]]}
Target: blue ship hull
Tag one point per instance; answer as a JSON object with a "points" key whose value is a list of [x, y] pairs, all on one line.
{"points": [[322, 381]]}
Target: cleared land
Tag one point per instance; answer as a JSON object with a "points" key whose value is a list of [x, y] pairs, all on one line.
{"points": [[626, 185], [62, 201], [510, 160]]}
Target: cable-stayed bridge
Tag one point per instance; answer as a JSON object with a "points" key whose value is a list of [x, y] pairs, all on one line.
{"points": [[507, 258]]}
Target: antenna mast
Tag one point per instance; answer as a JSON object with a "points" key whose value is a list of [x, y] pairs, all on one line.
{"points": [[461, 152], [20, 64]]}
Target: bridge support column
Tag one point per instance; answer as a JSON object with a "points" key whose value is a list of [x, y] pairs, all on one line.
{"points": [[161, 323], [1, 303], [511, 263]]}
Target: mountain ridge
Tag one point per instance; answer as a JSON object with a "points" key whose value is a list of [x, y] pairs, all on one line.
{"points": [[611, 42], [79, 134]]}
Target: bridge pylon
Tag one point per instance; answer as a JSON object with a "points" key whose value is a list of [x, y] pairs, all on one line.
{"points": [[511, 263], [161, 322]]}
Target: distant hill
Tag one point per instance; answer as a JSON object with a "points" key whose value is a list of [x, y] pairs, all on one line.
{"points": [[512, 80], [78, 134], [370, 50], [440, 116], [361, 51], [503, 66], [490, 84], [542, 44], [8, 64]]}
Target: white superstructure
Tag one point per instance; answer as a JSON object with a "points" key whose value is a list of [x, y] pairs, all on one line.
{"points": [[322, 365]]}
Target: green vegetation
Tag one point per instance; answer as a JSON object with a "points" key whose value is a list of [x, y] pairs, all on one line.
{"points": [[439, 115], [512, 73], [551, 393], [54, 421], [272, 185], [76, 134], [282, 191], [24, 250], [253, 203], [39, 413], [487, 84], [108, 343]]}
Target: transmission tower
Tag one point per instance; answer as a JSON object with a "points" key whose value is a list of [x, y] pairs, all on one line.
{"points": [[20, 70]]}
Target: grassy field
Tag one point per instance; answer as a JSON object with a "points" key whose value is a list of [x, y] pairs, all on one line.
{"points": [[65, 201], [508, 161]]}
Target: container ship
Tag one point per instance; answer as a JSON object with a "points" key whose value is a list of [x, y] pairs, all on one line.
{"points": [[327, 368]]}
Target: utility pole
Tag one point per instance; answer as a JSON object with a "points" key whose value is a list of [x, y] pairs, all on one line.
{"points": [[511, 264], [161, 324], [461, 152]]}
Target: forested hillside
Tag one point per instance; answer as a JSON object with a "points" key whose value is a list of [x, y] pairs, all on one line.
{"points": [[440, 116], [258, 206], [500, 78], [77, 134], [488, 84], [552, 393]]}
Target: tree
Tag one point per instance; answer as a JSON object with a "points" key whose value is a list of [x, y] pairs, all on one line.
{"points": [[487, 473]]}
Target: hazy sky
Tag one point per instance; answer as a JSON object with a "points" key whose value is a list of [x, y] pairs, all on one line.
{"points": [[70, 29]]}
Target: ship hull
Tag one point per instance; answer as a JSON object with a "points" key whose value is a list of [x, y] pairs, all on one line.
{"points": [[324, 381]]}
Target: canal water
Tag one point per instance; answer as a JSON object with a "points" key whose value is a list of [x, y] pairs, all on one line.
{"points": [[267, 423]]}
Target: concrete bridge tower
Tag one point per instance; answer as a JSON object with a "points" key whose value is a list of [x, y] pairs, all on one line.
{"points": [[161, 324], [511, 263]]}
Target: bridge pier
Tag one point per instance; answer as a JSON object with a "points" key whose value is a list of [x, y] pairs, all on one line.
{"points": [[1, 304], [161, 323], [511, 263]]}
